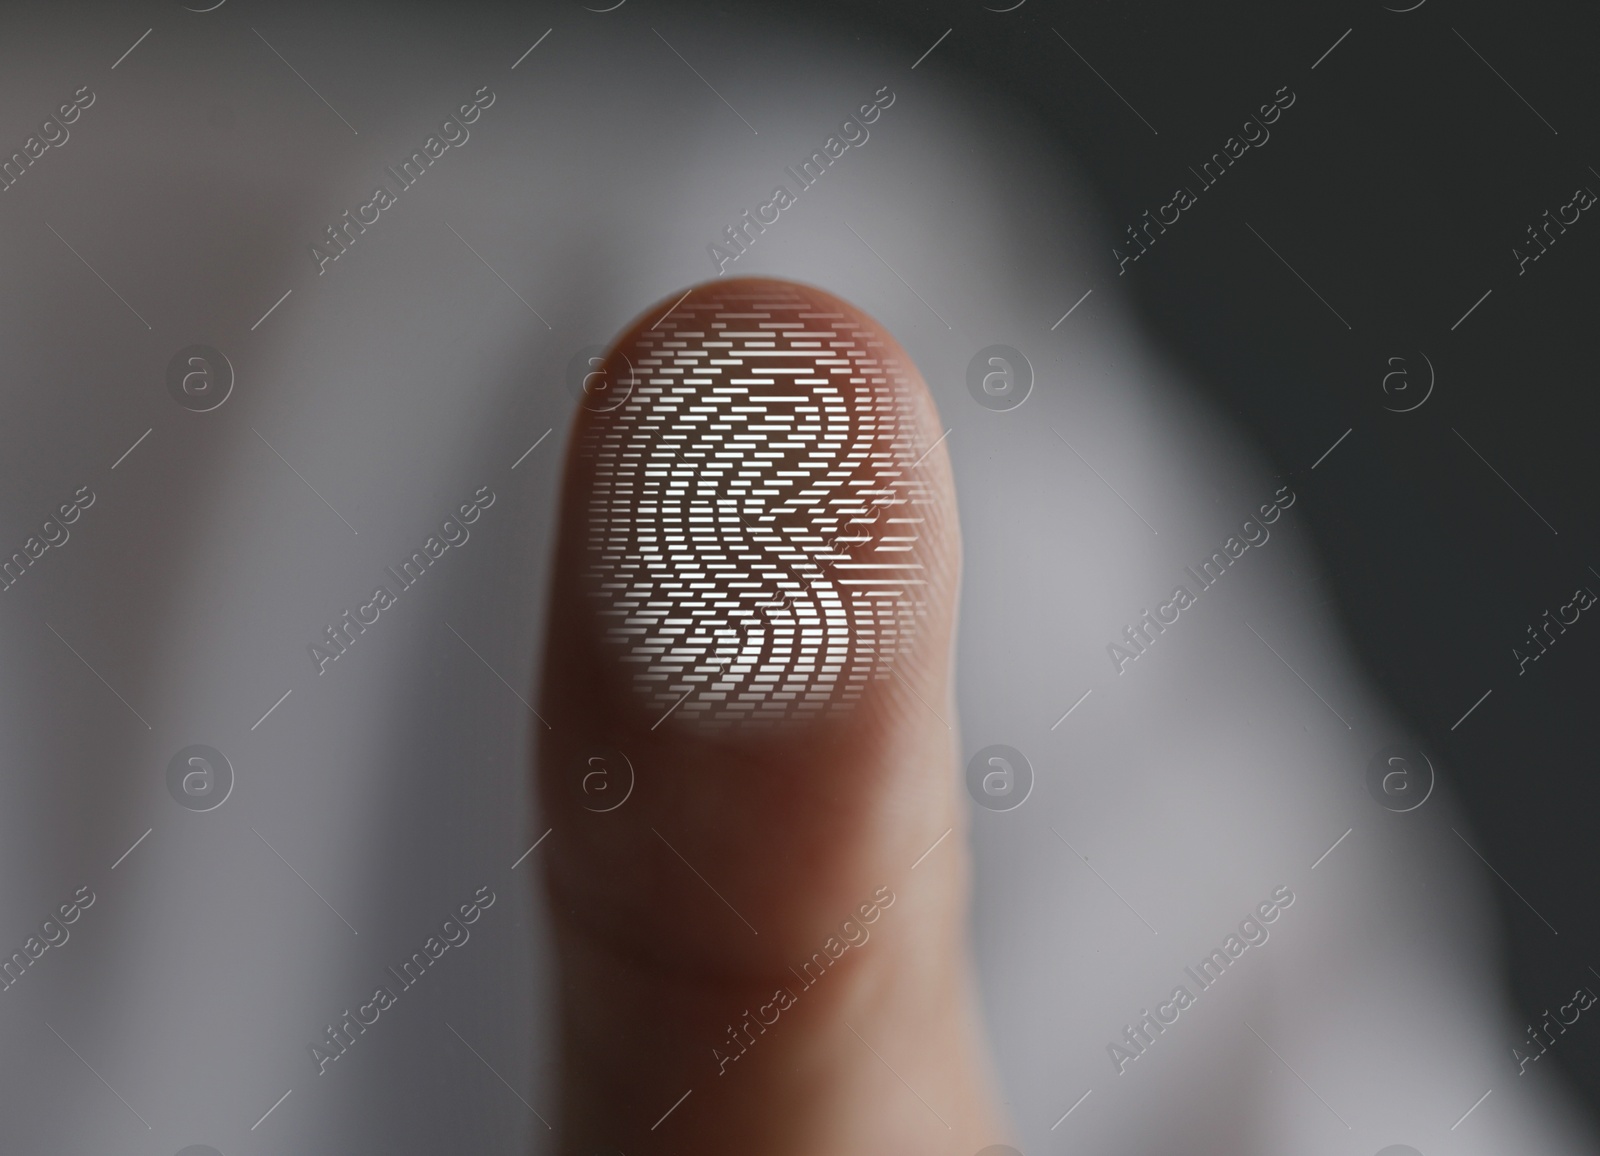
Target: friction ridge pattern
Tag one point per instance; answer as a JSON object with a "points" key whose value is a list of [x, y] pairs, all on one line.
{"points": [[755, 509]]}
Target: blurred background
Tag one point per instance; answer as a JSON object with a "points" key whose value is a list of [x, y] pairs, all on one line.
{"points": [[1376, 298]]}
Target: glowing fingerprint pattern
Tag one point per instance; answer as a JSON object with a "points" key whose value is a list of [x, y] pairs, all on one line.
{"points": [[755, 508]]}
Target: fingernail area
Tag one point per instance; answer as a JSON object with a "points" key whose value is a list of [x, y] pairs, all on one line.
{"points": [[755, 505]]}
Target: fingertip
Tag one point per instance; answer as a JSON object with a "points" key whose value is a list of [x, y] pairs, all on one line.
{"points": [[759, 524]]}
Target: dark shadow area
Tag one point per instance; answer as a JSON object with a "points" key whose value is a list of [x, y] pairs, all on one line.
{"points": [[1316, 284]]}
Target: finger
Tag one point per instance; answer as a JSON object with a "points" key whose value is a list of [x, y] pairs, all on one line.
{"points": [[747, 680]]}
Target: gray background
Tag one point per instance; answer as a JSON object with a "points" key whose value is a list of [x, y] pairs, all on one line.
{"points": [[377, 396]]}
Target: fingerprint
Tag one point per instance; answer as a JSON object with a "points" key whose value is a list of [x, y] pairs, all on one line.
{"points": [[755, 505]]}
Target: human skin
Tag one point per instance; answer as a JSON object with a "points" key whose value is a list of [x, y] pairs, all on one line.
{"points": [[745, 844]]}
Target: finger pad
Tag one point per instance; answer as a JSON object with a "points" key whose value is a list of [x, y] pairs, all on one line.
{"points": [[762, 528]]}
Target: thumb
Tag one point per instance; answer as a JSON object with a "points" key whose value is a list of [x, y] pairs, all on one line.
{"points": [[750, 744]]}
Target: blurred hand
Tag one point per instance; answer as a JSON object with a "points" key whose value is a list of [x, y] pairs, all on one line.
{"points": [[751, 746]]}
